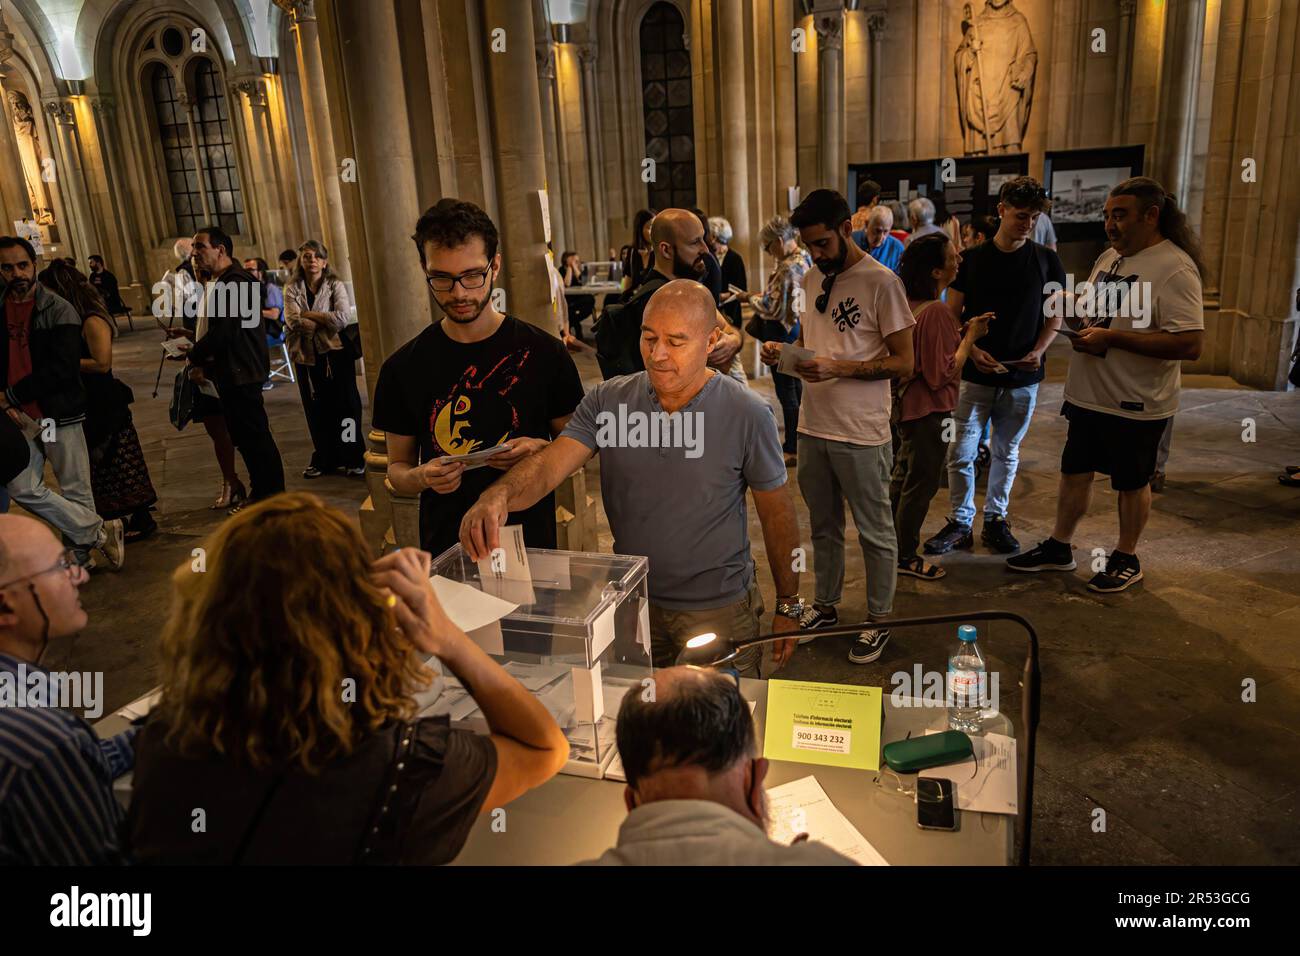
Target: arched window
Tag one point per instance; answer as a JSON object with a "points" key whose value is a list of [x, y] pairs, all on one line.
{"points": [[209, 169], [666, 103]]}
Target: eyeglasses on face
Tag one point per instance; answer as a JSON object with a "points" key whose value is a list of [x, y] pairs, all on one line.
{"points": [[467, 280], [66, 563]]}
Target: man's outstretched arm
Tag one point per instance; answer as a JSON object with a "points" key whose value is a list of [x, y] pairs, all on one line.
{"points": [[521, 487]]}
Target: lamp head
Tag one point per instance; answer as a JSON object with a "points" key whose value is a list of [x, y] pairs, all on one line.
{"points": [[706, 650]]}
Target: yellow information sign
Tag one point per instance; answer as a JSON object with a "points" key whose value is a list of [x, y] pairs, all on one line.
{"points": [[836, 725]]}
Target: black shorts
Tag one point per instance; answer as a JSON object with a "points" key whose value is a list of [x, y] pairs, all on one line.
{"points": [[205, 406], [1124, 448]]}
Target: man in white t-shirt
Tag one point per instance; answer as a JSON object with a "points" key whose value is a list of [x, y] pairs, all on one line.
{"points": [[857, 323], [1138, 319]]}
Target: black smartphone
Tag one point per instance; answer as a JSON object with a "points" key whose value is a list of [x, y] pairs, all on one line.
{"points": [[936, 804]]}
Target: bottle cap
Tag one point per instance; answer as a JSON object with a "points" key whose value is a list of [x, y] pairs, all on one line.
{"points": [[966, 632]]}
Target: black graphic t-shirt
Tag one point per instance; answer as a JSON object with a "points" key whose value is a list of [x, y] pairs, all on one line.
{"points": [[1009, 284], [456, 398]]}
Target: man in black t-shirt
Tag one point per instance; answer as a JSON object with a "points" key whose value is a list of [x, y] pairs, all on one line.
{"points": [[1004, 277], [472, 381]]}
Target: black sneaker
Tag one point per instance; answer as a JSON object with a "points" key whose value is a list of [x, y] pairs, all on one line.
{"points": [[869, 646], [1122, 571], [813, 618], [1049, 555], [954, 535], [997, 535]]}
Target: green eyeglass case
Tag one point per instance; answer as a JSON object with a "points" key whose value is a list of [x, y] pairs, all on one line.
{"points": [[928, 750]]}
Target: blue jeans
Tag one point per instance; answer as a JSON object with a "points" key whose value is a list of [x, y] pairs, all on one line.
{"points": [[1008, 411], [71, 510]]}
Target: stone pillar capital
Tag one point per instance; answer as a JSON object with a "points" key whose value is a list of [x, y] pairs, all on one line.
{"points": [[298, 10], [104, 106], [876, 24], [830, 31], [545, 60], [60, 111], [1127, 7], [587, 53], [252, 88]]}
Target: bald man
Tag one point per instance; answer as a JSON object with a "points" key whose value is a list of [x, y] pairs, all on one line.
{"points": [[677, 238], [695, 780], [45, 751], [679, 445]]}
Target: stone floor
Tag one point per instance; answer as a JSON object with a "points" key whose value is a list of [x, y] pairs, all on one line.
{"points": [[1154, 731]]}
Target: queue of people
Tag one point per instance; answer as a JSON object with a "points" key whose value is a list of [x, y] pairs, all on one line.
{"points": [[288, 771]]}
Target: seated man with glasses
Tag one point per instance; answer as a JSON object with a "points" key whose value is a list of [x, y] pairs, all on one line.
{"points": [[694, 790], [56, 778], [474, 380], [860, 329]]}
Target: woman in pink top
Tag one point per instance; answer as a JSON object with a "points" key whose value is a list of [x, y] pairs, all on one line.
{"points": [[926, 398]]}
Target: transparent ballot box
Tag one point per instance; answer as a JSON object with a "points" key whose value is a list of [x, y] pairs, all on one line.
{"points": [[577, 637]]}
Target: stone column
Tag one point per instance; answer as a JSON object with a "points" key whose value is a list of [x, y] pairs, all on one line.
{"points": [[876, 27], [1123, 70], [1180, 77], [595, 154], [131, 270], [82, 227], [732, 70], [783, 82], [546, 101], [320, 138], [520, 163], [271, 216], [830, 80]]}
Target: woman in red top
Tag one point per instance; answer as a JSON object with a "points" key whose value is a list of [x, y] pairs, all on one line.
{"points": [[927, 397]]}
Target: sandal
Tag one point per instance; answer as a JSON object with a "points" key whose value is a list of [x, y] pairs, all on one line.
{"points": [[1291, 481], [916, 567], [230, 494]]}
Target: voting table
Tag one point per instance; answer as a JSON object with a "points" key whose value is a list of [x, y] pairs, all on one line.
{"points": [[569, 819]]}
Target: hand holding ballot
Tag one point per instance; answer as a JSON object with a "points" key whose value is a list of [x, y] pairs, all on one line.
{"points": [[514, 451], [442, 475]]}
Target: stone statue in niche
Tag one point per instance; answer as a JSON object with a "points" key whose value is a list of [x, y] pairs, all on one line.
{"points": [[29, 151], [995, 65]]}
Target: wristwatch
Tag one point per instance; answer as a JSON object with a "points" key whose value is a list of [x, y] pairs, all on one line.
{"points": [[791, 606]]}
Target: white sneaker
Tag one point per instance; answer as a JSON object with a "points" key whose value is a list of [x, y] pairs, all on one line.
{"points": [[113, 544]]}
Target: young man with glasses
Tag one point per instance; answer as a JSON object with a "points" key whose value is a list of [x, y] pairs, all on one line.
{"points": [[56, 778], [474, 380], [861, 331]]}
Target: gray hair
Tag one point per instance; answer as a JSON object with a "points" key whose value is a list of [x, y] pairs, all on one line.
{"points": [[921, 210], [881, 213], [776, 229], [720, 229], [181, 248]]}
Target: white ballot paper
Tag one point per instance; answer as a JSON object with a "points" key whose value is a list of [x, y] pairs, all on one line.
{"points": [[505, 573], [992, 787], [801, 806], [141, 705], [468, 607], [475, 459], [792, 355]]}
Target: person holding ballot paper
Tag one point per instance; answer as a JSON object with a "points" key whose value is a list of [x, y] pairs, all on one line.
{"points": [[679, 443], [476, 392], [859, 333]]}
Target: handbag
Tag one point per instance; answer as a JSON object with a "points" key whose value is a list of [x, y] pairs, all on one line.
{"points": [[184, 394], [351, 338]]}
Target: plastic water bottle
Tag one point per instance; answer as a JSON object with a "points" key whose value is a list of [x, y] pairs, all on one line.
{"points": [[967, 683]]}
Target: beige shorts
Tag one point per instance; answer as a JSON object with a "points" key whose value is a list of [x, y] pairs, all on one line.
{"points": [[670, 630]]}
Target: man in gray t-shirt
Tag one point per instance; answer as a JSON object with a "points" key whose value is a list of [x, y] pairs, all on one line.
{"points": [[679, 446]]}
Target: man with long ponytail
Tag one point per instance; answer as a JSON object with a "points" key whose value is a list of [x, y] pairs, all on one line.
{"points": [[1137, 319]]}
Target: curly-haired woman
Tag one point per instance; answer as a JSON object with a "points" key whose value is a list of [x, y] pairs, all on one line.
{"points": [[289, 666]]}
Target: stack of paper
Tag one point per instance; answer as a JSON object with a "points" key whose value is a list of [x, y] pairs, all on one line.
{"points": [[985, 783]]}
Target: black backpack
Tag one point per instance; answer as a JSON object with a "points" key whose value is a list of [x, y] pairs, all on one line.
{"points": [[618, 331]]}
